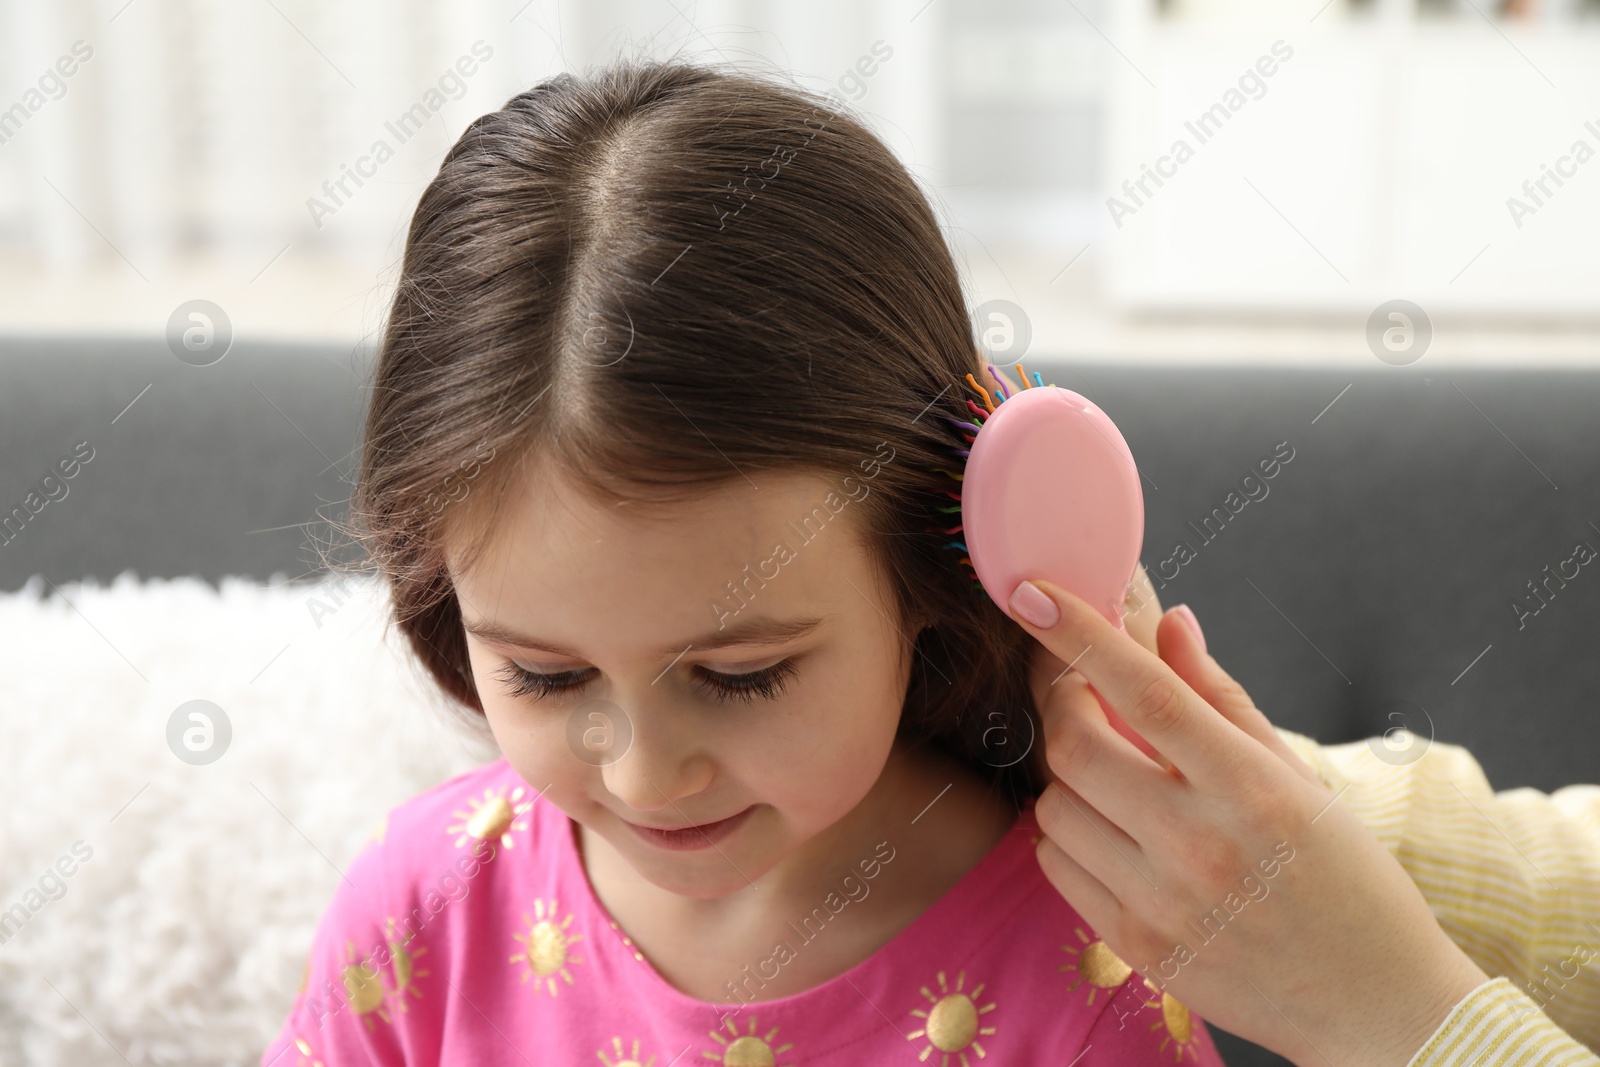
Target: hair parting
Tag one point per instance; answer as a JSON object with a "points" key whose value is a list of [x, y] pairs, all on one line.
{"points": [[661, 277]]}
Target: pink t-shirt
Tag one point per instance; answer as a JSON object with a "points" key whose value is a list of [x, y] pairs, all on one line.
{"points": [[466, 932]]}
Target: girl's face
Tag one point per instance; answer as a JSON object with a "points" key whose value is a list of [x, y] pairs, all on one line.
{"points": [[782, 706]]}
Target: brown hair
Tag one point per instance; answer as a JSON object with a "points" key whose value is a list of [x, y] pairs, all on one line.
{"points": [[656, 277]]}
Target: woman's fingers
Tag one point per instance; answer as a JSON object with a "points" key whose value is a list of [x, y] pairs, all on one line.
{"points": [[1184, 652], [1099, 764], [1086, 893], [1143, 690], [1308, 897], [1101, 848]]}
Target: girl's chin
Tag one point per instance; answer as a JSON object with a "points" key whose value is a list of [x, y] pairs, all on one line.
{"points": [[701, 875]]}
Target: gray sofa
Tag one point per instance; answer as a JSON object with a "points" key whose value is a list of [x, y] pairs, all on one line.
{"points": [[1373, 580]]}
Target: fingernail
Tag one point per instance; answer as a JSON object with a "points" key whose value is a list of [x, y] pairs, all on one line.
{"points": [[1187, 614], [1031, 602]]}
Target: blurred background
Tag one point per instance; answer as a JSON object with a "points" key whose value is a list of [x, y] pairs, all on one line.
{"points": [[208, 149], [1363, 234]]}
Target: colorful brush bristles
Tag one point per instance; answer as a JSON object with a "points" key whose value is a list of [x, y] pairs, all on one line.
{"points": [[969, 431]]}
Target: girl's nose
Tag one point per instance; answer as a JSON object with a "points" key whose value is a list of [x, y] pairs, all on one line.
{"points": [[665, 763]]}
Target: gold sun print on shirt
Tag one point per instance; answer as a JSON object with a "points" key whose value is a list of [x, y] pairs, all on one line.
{"points": [[494, 815], [1095, 965], [403, 961], [1099, 968], [952, 1023], [364, 988], [746, 1050], [630, 1060], [1175, 1019], [546, 947]]}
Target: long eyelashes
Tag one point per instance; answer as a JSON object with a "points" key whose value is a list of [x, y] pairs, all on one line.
{"points": [[766, 683], [524, 683]]}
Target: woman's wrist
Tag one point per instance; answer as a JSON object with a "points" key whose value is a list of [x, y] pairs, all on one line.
{"points": [[1457, 980], [1386, 1019]]}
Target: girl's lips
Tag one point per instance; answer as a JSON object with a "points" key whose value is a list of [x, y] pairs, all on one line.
{"points": [[693, 837]]}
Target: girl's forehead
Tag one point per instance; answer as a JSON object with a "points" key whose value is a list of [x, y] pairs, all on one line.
{"points": [[770, 547], [551, 513]]}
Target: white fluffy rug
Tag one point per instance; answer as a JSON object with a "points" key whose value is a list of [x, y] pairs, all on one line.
{"points": [[181, 938]]}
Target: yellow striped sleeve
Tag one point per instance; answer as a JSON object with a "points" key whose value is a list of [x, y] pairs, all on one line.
{"points": [[1512, 877], [1497, 1025]]}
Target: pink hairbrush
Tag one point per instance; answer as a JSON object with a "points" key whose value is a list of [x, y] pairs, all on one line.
{"points": [[1050, 490]]}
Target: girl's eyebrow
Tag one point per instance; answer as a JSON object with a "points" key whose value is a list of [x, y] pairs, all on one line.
{"points": [[759, 631]]}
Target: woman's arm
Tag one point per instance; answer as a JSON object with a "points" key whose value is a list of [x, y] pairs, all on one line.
{"points": [[1512, 877]]}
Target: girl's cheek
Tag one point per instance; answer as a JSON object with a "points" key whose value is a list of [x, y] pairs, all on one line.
{"points": [[828, 757], [527, 744]]}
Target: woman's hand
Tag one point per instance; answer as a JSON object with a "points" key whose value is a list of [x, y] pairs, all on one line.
{"points": [[1227, 874]]}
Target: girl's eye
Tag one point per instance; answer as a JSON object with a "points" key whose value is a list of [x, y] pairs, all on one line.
{"points": [[766, 683], [523, 683]]}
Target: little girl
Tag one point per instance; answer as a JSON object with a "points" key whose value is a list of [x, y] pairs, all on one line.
{"points": [[653, 466]]}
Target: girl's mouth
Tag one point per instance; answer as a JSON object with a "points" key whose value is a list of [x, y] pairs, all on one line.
{"points": [[692, 837]]}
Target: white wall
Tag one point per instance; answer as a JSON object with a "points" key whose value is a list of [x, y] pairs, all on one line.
{"points": [[1379, 161]]}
